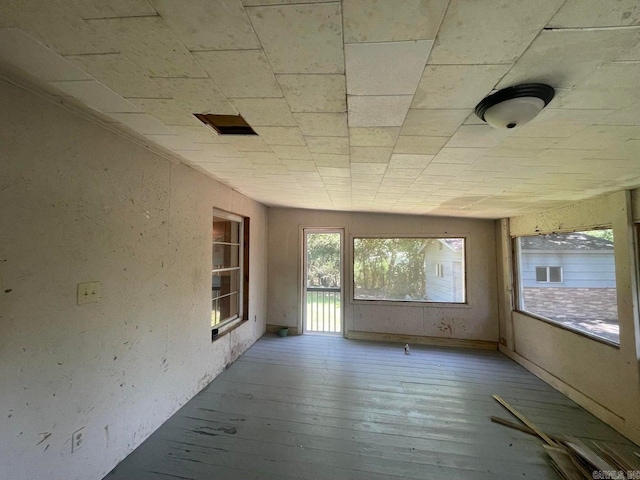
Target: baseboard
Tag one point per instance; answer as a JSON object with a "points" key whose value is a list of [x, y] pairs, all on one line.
{"points": [[422, 340], [590, 405], [275, 328]]}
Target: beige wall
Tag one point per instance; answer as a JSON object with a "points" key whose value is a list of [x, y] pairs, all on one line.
{"points": [[602, 378], [477, 320], [79, 203]]}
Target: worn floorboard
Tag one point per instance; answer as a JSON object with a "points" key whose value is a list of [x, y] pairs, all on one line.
{"points": [[316, 407]]}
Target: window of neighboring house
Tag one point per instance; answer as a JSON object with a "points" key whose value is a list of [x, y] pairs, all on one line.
{"points": [[409, 269], [229, 268], [578, 288], [549, 274]]}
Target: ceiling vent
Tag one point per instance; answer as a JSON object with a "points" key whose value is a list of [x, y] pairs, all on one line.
{"points": [[226, 124]]}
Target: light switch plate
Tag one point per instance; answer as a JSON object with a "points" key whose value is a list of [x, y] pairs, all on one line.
{"points": [[88, 292]]}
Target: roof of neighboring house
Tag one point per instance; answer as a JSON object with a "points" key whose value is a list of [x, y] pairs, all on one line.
{"points": [[453, 243], [571, 241]]}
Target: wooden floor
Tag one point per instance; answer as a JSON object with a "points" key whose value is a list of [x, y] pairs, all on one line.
{"points": [[321, 407]]}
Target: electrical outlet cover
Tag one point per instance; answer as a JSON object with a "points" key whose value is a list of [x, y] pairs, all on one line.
{"points": [[77, 440], [88, 292]]}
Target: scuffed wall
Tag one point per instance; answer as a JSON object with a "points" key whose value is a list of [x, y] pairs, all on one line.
{"points": [[78, 204], [478, 320], [602, 378]]}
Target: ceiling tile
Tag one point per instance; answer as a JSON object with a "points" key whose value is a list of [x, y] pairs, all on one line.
{"points": [[456, 86], [314, 93], [596, 13], [393, 68], [391, 20], [331, 160], [197, 95], [262, 158], [20, 50], [613, 85], [322, 124], [373, 136], [400, 161], [109, 9], [420, 144], [299, 165], [150, 44], [97, 96], [208, 24], [240, 73], [142, 123], [317, 29], [334, 172], [292, 152], [433, 122], [54, 26], [199, 134], [248, 143], [265, 112], [469, 34], [466, 156], [564, 58], [372, 168], [380, 111], [370, 154], [223, 150], [477, 136], [281, 135], [334, 145], [118, 73], [168, 111]]}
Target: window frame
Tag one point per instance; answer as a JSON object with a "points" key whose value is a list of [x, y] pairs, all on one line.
{"points": [[410, 303], [548, 274], [518, 294], [228, 324]]}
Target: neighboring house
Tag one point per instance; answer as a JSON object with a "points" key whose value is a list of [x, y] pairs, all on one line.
{"points": [[567, 261], [443, 268]]}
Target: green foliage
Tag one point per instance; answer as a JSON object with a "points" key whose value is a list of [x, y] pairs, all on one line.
{"points": [[323, 260], [391, 266], [605, 233]]}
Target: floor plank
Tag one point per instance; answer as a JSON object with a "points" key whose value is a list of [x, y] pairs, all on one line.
{"points": [[315, 407]]}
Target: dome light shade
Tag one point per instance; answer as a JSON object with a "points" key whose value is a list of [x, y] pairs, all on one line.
{"points": [[514, 106]]}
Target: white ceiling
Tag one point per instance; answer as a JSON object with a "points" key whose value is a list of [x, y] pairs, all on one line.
{"points": [[359, 105]]}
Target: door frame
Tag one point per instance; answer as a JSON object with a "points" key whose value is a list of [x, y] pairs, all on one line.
{"points": [[302, 280]]}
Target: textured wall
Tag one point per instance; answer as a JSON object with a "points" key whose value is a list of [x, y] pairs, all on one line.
{"points": [[78, 204], [478, 320]]}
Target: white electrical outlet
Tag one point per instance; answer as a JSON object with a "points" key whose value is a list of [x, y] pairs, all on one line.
{"points": [[77, 440], [88, 292]]}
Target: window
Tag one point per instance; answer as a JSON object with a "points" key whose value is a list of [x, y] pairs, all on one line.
{"points": [[228, 268], [569, 279], [409, 269], [549, 274]]}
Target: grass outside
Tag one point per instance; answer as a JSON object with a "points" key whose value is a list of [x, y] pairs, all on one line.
{"points": [[323, 312]]}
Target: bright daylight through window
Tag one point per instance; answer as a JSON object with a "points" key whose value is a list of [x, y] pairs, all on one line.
{"points": [[570, 279], [226, 268], [409, 269]]}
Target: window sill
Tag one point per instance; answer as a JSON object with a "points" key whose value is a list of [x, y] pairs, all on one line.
{"points": [[569, 328], [227, 328], [409, 303]]}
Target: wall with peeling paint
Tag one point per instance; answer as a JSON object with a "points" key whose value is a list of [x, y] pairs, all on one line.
{"points": [[603, 379], [79, 203], [478, 320]]}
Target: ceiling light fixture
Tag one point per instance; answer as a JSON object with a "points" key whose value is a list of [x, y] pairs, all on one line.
{"points": [[514, 106]]}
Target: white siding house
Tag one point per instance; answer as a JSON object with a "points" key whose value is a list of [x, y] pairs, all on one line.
{"points": [[444, 270], [561, 261]]}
